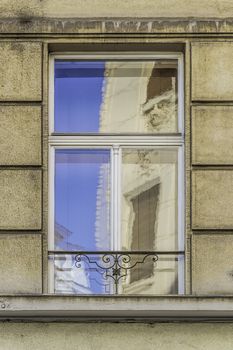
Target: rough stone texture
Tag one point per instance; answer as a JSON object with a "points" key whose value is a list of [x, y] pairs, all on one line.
{"points": [[20, 259], [20, 71], [20, 135], [111, 8], [212, 198], [212, 71], [212, 130], [64, 336], [212, 268], [20, 205]]}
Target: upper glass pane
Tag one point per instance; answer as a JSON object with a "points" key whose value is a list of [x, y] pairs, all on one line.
{"points": [[116, 96]]}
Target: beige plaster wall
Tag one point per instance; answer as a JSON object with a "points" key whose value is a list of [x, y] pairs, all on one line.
{"points": [[20, 205], [20, 167], [20, 262], [212, 130], [212, 198], [212, 181], [20, 71], [68, 336], [20, 129], [211, 270], [117, 8], [212, 71]]}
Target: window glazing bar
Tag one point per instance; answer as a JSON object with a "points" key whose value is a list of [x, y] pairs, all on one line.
{"points": [[110, 140]]}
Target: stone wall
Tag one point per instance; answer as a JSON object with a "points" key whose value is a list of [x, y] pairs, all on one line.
{"points": [[21, 166], [212, 175], [117, 8], [66, 336]]}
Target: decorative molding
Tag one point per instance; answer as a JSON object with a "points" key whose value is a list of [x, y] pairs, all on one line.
{"points": [[121, 26]]}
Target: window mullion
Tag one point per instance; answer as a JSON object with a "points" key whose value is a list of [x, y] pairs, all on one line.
{"points": [[115, 197], [51, 229], [112, 198], [119, 233]]}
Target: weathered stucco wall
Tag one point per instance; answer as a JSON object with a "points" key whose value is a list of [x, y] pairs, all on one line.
{"points": [[67, 336], [117, 8], [211, 191]]}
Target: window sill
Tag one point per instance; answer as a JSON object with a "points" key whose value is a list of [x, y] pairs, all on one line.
{"points": [[117, 308]]}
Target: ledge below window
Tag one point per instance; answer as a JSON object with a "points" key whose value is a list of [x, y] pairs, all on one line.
{"points": [[119, 308]]}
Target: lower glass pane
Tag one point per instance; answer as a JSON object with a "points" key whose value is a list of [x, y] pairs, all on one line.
{"points": [[149, 212], [149, 204], [161, 277], [118, 273], [76, 274]]}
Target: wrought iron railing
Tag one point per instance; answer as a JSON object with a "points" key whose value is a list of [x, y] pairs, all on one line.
{"points": [[115, 265]]}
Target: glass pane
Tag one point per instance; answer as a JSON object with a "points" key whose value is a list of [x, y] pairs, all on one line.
{"points": [[164, 277], [149, 199], [74, 275], [82, 199], [116, 96], [118, 274]]}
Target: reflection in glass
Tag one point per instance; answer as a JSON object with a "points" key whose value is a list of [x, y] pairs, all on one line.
{"points": [[82, 199], [124, 274], [164, 277], [149, 200], [115, 96], [80, 277], [82, 215]]}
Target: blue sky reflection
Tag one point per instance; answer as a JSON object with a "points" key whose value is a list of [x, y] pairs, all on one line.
{"points": [[77, 179], [78, 95]]}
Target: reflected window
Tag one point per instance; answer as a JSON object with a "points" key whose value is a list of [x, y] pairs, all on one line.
{"points": [[143, 231], [116, 170]]}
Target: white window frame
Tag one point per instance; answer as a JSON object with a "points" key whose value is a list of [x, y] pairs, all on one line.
{"points": [[115, 143]]}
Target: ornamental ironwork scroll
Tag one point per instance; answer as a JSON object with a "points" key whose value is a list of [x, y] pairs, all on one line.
{"points": [[113, 265]]}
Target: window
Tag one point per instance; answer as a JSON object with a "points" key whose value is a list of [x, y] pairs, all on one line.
{"points": [[116, 174]]}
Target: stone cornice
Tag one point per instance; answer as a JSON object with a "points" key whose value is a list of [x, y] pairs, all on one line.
{"points": [[117, 308], [44, 26]]}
